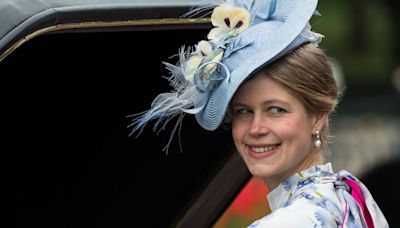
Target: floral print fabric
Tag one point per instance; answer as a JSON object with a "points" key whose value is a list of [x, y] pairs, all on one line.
{"points": [[317, 197]]}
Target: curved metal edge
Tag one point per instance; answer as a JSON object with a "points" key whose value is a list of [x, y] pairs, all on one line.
{"points": [[132, 25], [78, 19]]}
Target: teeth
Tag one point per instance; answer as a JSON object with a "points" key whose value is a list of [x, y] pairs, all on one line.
{"points": [[263, 149]]}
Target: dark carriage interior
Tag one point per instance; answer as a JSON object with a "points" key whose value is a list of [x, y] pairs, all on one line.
{"points": [[70, 160]]}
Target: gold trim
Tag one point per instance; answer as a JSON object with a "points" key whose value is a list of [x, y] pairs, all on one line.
{"points": [[103, 24]]}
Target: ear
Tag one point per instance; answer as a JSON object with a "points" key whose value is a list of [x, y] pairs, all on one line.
{"points": [[319, 121]]}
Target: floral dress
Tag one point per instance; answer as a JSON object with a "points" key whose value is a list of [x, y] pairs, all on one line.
{"points": [[317, 197]]}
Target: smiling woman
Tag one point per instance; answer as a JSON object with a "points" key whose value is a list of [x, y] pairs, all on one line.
{"points": [[72, 162], [267, 129], [273, 111], [283, 103], [276, 86]]}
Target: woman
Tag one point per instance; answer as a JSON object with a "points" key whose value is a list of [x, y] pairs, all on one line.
{"points": [[261, 67], [278, 117]]}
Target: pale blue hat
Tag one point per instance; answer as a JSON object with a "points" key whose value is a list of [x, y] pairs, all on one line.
{"points": [[247, 36]]}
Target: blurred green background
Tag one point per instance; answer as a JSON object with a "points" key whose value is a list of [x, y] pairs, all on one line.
{"points": [[362, 40], [363, 36]]}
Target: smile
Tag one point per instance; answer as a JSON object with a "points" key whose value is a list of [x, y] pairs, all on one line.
{"points": [[264, 148]]}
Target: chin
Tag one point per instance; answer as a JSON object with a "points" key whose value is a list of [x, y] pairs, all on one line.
{"points": [[261, 171]]}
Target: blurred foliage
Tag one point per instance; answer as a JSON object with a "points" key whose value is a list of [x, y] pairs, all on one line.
{"points": [[361, 35]]}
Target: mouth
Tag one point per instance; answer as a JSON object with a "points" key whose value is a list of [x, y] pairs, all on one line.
{"points": [[262, 151]]}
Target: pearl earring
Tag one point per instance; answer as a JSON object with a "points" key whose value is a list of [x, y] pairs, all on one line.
{"points": [[318, 140]]}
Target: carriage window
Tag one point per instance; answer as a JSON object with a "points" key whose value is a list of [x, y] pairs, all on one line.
{"points": [[72, 160]]}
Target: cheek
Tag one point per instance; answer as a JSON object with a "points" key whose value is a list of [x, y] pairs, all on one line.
{"points": [[236, 132], [294, 130]]}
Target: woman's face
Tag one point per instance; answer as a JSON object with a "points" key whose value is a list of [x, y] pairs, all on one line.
{"points": [[272, 130]]}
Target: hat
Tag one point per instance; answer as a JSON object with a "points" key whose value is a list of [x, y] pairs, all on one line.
{"points": [[247, 36]]}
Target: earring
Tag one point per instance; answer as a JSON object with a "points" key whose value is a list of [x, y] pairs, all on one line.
{"points": [[318, 140]]}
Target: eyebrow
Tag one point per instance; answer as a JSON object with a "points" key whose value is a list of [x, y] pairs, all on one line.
{"points": [[268, 102]]}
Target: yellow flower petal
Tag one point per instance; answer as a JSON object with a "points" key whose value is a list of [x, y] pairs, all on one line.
{"points": [[219, 56], [219, 14], [191, 66], [230, 19], [204, 48], [213, 66], [216, 34], [240, 19]]}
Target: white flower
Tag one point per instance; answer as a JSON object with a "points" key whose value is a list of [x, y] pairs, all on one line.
{"points": [[210, 68], [191, 66], [228, 21], [203, 49]]}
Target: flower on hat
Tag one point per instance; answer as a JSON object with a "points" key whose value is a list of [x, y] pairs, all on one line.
{"points": [[228, 21], [214, 57], [193, 78], [203, 49], [204, 53]]}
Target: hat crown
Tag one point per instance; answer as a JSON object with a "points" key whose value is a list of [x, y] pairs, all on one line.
{"points": [[276, 28]]}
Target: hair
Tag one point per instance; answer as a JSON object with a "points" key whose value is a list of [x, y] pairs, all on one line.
{"points": [[307, 74]]}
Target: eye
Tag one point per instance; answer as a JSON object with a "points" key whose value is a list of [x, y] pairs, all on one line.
{"points": [[241, 111], [276, 110]]}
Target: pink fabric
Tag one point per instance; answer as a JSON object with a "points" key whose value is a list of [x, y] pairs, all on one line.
{"points": [[358, 196]]}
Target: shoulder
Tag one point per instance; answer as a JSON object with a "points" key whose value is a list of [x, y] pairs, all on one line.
{"points": [[298, 214]]}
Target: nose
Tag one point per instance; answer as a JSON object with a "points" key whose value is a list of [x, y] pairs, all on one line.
{"points": [[258, 126]]}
